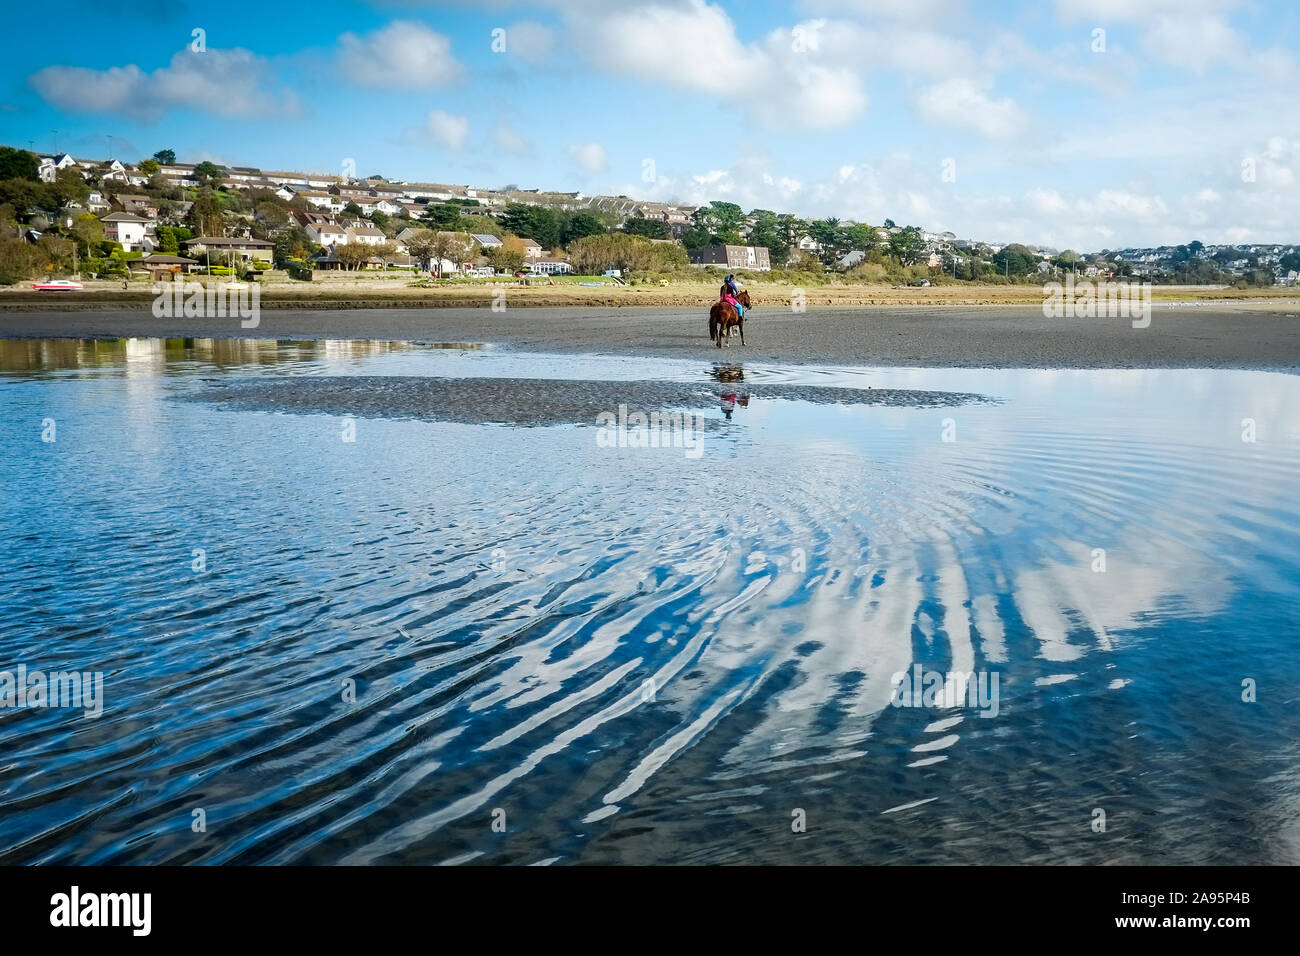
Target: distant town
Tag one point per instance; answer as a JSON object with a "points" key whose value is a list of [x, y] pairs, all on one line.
{"points": [[158, 217]]}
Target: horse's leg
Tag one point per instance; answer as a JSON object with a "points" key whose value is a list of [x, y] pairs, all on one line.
{"points": [[741, 325]]}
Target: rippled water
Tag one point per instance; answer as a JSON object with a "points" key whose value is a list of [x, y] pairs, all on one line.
{"points": [[625, 654]]}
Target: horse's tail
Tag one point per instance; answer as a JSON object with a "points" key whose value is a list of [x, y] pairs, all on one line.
{"points": [[713, 323]]}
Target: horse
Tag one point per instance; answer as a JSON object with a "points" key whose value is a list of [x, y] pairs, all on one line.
{"points": [[722, 316]]}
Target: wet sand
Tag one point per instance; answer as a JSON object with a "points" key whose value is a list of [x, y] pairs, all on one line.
{"points": [[1179, 336], [512, 401]]}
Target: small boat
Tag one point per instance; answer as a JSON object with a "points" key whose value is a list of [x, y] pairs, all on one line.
{"points": [[56, 285]]}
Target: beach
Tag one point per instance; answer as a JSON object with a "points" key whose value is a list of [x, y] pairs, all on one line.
{"points": [[1180, 335]]}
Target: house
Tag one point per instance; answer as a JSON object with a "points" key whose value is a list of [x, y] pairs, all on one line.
{"points": [[365, 233], [181, 175], [326, 233], [753, 258], [549, 265], [224, 248], [125, 228], [532, 249], [162, 266], [484, 240], [140, 205], [50, 166]]}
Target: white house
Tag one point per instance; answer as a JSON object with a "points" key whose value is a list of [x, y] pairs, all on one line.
{"points": [[327, 234], [532, 249], [549, 265], [125, 228], [365, 233]]}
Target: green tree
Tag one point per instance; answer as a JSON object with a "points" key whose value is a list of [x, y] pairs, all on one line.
{"points": [[767, 234], [650, 228], [149, 166], [207, 173], [697, 237], [166, 157], [206, 215], [578, 226], [19, 164], [445, 216], [88, 232], [25, 195], [533, 222], [291, 243], [69, 187]]}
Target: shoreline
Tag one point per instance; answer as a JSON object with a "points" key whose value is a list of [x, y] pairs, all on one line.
{"points": [[1209, 335]]}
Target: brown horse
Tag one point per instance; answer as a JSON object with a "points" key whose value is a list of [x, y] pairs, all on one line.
{"points": [[723, 316]]}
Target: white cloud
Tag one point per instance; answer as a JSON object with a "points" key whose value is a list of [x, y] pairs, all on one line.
{"points": [[694, 46], [402, 55], [508, 140], [589, 156], [447, 130], [226, 82], [963, 102], [529, 41]]}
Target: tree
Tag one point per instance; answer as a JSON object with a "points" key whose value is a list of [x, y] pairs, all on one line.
{"points": [[167, 241], [444, 215], [697, 237], [207, 173], [533, 222], [579, 225], [25, 195], [1014, 260], [18, 260], [616, 250], [69, 187], [206, 215], [166, 157], [766, 234], [420, 245], [88, 232], [460, 249], [504, 259], [650, 228], [380, 218], [273, 214], [291, 243], [722, 219], [58, 249], [19, 164], [149, 166]]}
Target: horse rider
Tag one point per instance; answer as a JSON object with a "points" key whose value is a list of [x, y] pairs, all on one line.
{"points": [[730, 293]]}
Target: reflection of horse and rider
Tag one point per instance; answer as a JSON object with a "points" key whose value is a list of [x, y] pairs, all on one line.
{"points": [[728, 312]]}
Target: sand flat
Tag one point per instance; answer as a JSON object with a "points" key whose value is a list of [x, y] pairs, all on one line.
{"points": [[1180, 336]]}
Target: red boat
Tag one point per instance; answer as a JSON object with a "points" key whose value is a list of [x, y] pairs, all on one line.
{"points": [[57, 285]]}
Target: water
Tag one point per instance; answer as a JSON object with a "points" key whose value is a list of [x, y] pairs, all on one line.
{"points": [[630, 655]]}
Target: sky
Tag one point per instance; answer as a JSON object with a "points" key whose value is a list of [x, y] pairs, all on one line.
{"points": [[1083, 124]]}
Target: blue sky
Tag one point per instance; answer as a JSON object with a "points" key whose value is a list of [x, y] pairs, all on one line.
{"points": [[1000, 121]]}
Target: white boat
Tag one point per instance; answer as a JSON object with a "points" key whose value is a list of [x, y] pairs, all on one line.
{"points": [[56, 285]]}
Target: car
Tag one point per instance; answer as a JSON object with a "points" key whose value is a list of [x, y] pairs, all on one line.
{"points": [[56, 285]]}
